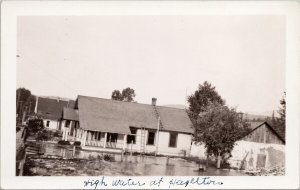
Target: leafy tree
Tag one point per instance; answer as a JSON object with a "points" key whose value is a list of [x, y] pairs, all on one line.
{"points": [[127, 95], [219, 127], [25, 101], [201, 98], [280, 122], [117, 95]]}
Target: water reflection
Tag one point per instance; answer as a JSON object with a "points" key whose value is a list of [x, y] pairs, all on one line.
{"points": [[140, 165]]}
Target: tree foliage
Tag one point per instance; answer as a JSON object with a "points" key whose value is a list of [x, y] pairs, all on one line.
{"points": [[117, 95], [25, 101], [127, 95], [219, 127], [282, 109], [201, 98], [279, 123]]}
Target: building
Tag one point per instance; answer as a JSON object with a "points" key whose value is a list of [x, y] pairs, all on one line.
{"points": [[50, 109], [115, 126], [262, 147]]}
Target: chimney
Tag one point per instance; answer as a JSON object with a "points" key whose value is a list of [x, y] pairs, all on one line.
{"points": [[154, 101]]}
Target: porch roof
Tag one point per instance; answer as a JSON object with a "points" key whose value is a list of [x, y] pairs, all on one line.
{"points": [[70, 114]]}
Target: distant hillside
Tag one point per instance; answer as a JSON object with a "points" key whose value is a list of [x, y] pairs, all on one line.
{"points": [[250, 116], [254, 117]]}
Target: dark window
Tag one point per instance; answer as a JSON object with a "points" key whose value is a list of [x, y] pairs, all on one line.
{"points": [[173, 140], [112, 137], [151, 138], [99, 136], [132, 136], [48, 123]]}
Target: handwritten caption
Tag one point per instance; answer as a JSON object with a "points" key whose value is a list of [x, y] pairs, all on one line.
{"points": [[113, 182]]}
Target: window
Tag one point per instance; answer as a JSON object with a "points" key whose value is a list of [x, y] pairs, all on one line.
{"points": [[48, 123], [151, 138], [99, 136], [112, 137], [173, 140], [132, 135]]}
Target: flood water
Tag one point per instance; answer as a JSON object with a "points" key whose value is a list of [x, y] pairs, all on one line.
{"points": [[141, 165]]}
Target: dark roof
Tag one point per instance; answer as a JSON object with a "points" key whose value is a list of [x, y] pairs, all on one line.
{"points": [[70, 114], [255, 125], [117, 116], [175, 119], [50, 108]]}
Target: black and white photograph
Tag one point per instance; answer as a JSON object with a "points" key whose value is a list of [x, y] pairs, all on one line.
{"points": [[151, 95]]}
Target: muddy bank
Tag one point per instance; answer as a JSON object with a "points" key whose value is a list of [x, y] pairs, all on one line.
{"points": [[273, 171], [57, 166]]}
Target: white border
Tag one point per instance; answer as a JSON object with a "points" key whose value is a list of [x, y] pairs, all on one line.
{"points": [[11, 9]]}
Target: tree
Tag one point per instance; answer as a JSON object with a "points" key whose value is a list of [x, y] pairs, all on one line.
{"points": [[201, 98], [280, 122], [219, 127], [25, 102], [127, 95], [116, 95]]}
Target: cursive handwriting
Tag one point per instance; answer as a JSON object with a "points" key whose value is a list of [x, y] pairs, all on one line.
{"points": [[132, 182]]}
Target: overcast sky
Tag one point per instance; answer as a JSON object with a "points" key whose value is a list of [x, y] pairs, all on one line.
{"points": [[158, 56]]}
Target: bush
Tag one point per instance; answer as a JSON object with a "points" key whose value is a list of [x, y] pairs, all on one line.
{"points": [[109, 158], [77, 143], [57, 134], [35, 124], [42, 135], [63, 142]]}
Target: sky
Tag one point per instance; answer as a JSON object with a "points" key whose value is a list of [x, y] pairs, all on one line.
{"points": [[166, 57]]}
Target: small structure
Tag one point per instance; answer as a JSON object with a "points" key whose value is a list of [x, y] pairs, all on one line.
{"points": [[115, 126], [50, 109], [262, 147]]}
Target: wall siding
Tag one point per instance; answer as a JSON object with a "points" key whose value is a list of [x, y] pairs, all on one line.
{"points": [[263, 135], [53, 125]]}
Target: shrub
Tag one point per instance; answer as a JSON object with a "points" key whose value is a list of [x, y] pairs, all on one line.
{"points": [[77, 143], [35, 124], [109, 158], [57, 134], [42, 135], [63, 142]]}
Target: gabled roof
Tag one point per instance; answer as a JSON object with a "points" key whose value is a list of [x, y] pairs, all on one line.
{"points": [[175, 119], [50, 108], [256, 125], [117, 116], [70, 114]]}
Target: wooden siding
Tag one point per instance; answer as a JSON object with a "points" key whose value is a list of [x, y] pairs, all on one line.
{"points": [[263, 134]]}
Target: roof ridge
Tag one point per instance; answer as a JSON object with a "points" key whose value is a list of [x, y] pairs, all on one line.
{"points": [[127, 102], [172, 108]]}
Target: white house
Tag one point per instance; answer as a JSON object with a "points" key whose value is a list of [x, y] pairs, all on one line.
{"points": [[50, 109], [110, 125]]}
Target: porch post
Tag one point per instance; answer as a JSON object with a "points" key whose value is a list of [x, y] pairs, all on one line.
{"points": [[105, 138], [67, 133], [63, 127], [124, 142], [70, 127], [84, 138]]}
